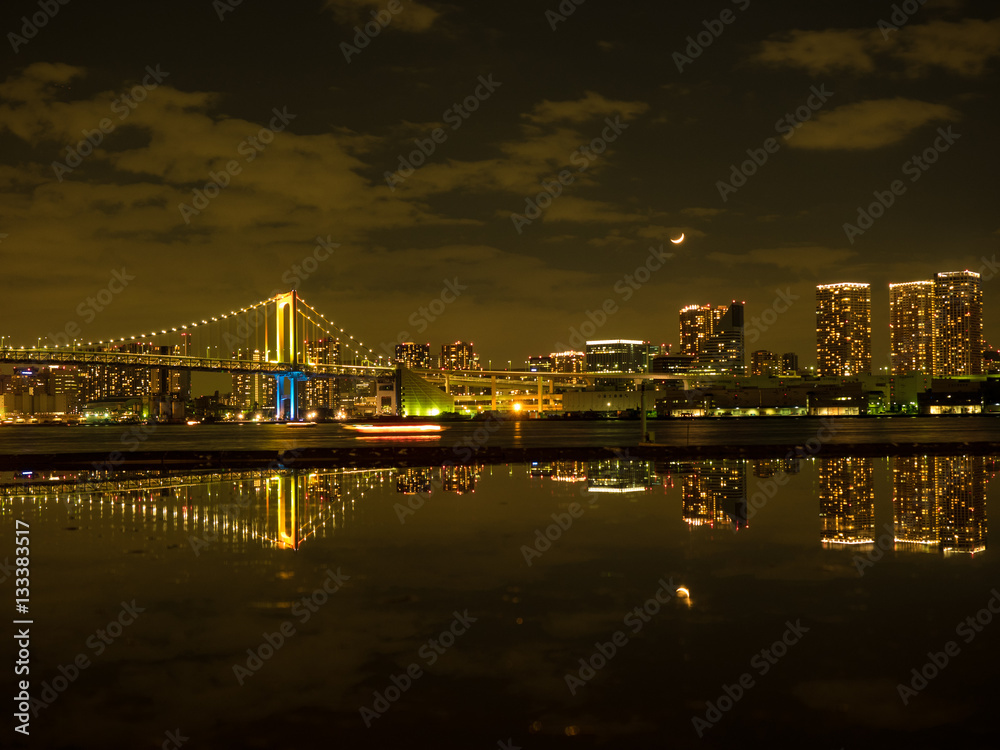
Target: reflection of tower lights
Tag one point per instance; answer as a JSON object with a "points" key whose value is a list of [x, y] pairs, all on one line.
{"points": [[847, 501], [714, 493]]}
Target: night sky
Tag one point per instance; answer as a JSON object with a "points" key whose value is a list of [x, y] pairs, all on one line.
{"points": [[625, 70]]}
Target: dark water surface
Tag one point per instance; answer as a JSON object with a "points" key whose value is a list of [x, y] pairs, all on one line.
{"points": [[805, 612], [508, 434]]}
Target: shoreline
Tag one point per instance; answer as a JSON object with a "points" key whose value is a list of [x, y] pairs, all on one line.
{"points": [[385, 456]]}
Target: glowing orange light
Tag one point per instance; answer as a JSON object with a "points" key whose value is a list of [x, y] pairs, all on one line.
{"points": [[393, 429]]}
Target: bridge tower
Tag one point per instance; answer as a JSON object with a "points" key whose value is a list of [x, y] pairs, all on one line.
{"points": [[288, 510], [287, 350]]}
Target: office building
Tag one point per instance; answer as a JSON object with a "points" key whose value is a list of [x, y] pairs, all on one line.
{"points": [[618, 355], [843, 330]]}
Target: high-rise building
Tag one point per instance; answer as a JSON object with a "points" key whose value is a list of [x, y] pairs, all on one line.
{"points": [[714, 336], [253, 392], [459, 356], [958, 324], [724, 352], [763, 362], [843, 329], [321, 393], [412, 355], [911, 327], [697, 323]]}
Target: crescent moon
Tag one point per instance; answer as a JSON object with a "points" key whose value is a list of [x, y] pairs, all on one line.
{"points": [[679, 240]]}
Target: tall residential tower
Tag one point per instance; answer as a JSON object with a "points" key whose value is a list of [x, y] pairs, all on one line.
{"points": [[911, 326], [843, 329], [958, 324]]}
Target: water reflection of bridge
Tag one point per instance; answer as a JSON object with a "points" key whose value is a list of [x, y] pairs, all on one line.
{"points": [[233, 509]]}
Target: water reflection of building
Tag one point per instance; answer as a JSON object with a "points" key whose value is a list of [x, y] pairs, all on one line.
{"points": [[939, 502], [714, 492], [619, 476], [960, 482], [413, 481], [460, 479], [846, 500], [764, 468], [559, 471], [914, 502]]}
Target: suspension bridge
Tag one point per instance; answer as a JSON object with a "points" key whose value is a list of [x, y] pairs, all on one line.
{"points": [[283, 336]]}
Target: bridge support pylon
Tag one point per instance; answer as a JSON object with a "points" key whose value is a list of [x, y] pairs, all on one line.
{"points": [[286, 383], [286, 396]]}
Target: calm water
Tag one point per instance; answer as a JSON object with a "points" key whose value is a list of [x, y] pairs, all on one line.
{"points": [[526, 433], [364, 582]]}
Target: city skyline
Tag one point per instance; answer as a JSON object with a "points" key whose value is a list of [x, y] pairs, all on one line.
{"points": [[806, 144]]}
